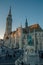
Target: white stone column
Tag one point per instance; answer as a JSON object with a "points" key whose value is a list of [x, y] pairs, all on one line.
{"points": [[15, 41], [34, 40], [20, 40]]}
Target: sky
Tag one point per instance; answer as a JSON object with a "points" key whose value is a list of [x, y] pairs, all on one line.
{"points": [[21, 9]]}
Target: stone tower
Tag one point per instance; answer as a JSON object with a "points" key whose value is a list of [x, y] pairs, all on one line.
{"points": [[8, 24]]}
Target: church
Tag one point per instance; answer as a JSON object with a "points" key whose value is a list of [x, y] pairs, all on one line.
{"points": [[31, 36]]}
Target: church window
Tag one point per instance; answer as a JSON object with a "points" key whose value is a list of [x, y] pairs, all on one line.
{"points": [[30, 40]]}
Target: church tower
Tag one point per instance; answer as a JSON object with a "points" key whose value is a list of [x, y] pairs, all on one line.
{"points": [[8, 24]]}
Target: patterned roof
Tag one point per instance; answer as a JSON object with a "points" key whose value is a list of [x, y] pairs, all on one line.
{"points": [[31, 28]]}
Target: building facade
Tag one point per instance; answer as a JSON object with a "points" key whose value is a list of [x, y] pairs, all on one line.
{"points": [[29, 38], [29, 35]]}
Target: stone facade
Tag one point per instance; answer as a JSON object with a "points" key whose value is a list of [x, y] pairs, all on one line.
{"points": [[29, 38], [20, 37]]}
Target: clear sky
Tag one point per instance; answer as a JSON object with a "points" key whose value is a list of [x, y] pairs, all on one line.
{"points": [[21, 9]]}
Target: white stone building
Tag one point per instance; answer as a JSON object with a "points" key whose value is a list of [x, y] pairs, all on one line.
{"points": [[20, 37], [29, 38]]}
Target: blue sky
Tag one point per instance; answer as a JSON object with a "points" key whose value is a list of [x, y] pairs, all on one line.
{"points": [[21, 9]]}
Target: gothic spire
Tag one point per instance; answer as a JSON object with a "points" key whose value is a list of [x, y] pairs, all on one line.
{"points": [[9, 14], [26, 23]]}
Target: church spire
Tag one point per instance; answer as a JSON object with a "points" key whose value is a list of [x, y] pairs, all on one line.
{"points": [[9, 22], [9, 14], [26, 23]]}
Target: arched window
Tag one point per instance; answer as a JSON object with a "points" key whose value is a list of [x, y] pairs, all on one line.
{"points": [[30, 40]]}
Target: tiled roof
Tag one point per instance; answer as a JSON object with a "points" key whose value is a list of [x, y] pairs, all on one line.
{"points": [[31, 28]]}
